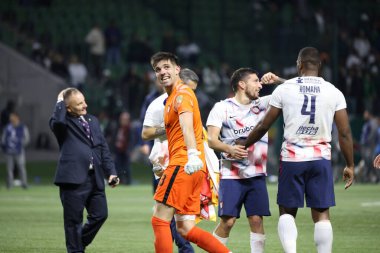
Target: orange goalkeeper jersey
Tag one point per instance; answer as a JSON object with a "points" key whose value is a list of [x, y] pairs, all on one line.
{"points": [[182, 99]]}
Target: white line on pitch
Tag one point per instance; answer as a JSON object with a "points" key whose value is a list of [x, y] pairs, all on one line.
{"points": [[368, 204]]}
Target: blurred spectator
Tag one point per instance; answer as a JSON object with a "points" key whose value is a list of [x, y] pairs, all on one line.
{"points": [[361, 44], [169, 42], [5, 114], [27, 27], [78, 72], [13, 141], [121, 148], [355, 84], [353, 59], [139, 50], [95, 38], [131, 90], [320, 21], [113, 39], [377, 148], [211, 79], [368, 144], [48, 59], [37, 54], [188, 51], [326, 71], [225, 73], [104, 122], [58, 66]]}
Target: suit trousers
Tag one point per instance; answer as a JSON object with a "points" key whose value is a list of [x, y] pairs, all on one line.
{"points": [[74, 199]]}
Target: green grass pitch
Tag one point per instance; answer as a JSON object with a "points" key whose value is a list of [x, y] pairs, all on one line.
{"points": [[31, 221]]}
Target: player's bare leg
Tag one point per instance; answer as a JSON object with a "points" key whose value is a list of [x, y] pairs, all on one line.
{"points": [[222, 231], [187, 229], [257, 235]]}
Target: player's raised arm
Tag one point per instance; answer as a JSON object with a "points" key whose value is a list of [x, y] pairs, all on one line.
{"points": [[270, 78]]}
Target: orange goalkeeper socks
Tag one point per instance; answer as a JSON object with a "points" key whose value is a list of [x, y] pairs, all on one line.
{"points": [[206, 241], [163, 242]]}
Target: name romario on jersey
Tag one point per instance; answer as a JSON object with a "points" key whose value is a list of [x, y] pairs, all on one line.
{"points": [[182, 99], [308, 105], [236, 121]]}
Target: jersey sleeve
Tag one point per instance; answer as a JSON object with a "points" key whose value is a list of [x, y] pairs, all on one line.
{"points": [[154, 115], [341, 101], [264, 101], [184, 102], [275, 99], [216, 116]]}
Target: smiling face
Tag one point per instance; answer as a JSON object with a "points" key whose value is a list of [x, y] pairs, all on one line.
{"points": [[252, 86], [166, 72], [76, 104]]}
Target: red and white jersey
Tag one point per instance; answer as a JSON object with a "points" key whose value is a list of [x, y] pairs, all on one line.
{"points": [[236, 121], [308, 105]]}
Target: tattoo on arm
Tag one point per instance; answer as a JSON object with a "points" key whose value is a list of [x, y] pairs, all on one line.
{"points": [[160, 131]]}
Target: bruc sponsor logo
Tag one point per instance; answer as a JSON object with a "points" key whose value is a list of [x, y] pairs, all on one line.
{"points": [[243, 130]]}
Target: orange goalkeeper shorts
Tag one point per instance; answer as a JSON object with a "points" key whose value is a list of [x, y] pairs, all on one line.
{"points": [[180, 190]]}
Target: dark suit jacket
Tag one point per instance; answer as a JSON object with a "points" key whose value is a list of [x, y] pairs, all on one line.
{"points": [[76, 149]]}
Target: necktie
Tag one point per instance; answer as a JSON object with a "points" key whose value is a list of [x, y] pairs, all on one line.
{"points": [[86, 126]]}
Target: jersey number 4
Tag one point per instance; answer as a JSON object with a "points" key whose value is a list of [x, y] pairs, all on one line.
{"points": [[305, 106]]}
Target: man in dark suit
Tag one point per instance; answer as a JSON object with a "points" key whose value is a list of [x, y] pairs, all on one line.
{"points": [[84, 162]]}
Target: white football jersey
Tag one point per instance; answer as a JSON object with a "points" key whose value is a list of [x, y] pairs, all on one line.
{"points": [[154, 115], [236, 121], [308, 105]]}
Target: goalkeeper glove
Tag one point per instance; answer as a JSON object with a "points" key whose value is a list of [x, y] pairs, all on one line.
{"points": [[194, 163]]}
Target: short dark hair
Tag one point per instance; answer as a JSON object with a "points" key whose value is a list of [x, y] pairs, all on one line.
{"points": [[157, 57], [240, 75], [310, 57], [188, 75]]}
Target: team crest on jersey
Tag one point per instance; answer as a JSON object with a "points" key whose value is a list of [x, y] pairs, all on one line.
{"points": [[178, 101], [255, 109]]}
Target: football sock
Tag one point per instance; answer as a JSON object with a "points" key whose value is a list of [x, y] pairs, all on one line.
{"points": [[223, 240], [205, 241], [287, 231], [323, 236], [257, 242], [163, 242]]}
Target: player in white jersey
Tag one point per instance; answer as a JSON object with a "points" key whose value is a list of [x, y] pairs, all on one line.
{"points": [[309, 106], [242, 171]]}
